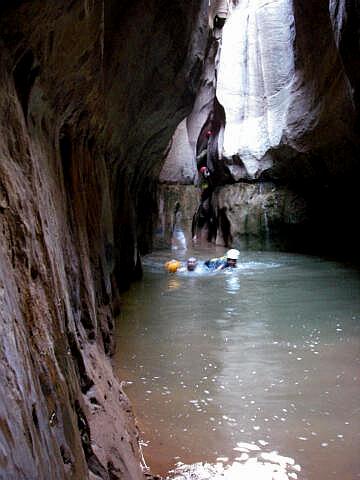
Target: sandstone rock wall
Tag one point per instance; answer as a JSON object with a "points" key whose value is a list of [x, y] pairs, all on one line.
{"points": [[84, 118], [153, 63], [177, 204], [90, 95], [256, 74], [281, 95], [281, 80], [260, 217], [63, 412]]}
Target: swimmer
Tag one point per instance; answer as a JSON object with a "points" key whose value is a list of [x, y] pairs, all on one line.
{"points": [[227, 261]]}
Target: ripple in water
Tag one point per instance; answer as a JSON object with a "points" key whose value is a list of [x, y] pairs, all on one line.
{"points": [[267, 353]]}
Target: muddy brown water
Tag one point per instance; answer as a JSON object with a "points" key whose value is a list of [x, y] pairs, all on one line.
{"points": [[268, 354]]}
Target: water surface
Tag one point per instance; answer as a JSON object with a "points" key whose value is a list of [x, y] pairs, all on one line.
{"points": [[267, 354]]}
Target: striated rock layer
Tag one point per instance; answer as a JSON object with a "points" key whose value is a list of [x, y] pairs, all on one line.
{"points": [[90, 93]]}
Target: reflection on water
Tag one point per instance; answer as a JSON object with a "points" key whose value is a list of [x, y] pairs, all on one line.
{"points": [[232, 283], [173, 283], [178, 240], [267, 355]]}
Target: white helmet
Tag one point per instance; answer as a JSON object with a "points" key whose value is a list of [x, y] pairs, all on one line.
{"points": [[233, 254]]}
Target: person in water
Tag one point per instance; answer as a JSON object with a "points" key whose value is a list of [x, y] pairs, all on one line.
{"points": [[191, 264], [174, 266], [227, 261]]}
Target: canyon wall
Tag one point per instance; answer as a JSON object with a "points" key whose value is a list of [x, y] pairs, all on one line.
{"points": [[281, 100], [90, 93], [276, 87]]}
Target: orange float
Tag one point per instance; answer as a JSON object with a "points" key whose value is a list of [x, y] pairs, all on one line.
{"points": [[172, 265]]}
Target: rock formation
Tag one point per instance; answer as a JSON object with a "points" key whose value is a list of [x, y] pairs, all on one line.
{"points": [[90, 93], [283, 108]]}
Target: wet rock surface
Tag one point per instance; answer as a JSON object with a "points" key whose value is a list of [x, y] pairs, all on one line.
{"points": [[280, 99], [90, 95], [276, 88], [55, 275], [79, 135], [260, 216], [177, 204]]}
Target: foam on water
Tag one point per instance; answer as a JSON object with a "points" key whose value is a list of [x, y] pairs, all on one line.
{"points": [[252, 464]]}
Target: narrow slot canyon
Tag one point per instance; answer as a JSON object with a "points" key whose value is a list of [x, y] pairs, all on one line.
{"points": [[134, 133]]}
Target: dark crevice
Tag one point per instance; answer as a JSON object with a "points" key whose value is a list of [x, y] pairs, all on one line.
{"points": [[85, 381], [114, 473], [45, 384], [35, 417], [51, 41], [65, 455], [65, 146], [94, 401], [225, 227], [34, 272], [107, 342], [84, 429], [86, 320], [25, 73]]}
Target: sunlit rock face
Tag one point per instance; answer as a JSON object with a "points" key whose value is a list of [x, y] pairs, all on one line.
{"points": [[255, 78], [180, 163], [281, 81]]}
